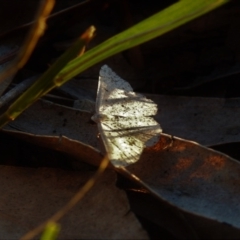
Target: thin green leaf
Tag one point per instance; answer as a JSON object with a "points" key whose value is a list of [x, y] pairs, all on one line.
{"points": [[45, 83], [152, 27], [51, 231]]}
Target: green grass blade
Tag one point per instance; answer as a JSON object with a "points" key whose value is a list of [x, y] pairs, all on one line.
{"points": [[45, 83], [51, 231], [152, 27]]}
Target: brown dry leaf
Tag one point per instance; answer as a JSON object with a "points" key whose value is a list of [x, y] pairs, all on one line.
{"points": [[49, 119], [31, 195], [208, 121], [73, 148], [201, 183], [60, 128]]}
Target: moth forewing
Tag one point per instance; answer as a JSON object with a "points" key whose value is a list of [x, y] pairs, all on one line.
{"points": [[124, 119]]}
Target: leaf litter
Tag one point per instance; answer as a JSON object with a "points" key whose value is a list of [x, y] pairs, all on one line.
{"points": [[198, 181], [50, 188], [178, 116]]}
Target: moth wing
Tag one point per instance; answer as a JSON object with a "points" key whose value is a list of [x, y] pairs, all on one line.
{"points": [[125, 140]]}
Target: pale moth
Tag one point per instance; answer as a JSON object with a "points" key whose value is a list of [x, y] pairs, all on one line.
{"points": [[124, 119]]}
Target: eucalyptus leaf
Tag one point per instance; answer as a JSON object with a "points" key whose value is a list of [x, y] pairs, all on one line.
{"points": [[193, 178]]}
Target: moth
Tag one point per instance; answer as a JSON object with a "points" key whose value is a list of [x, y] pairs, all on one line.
{"points": [[124, 119]]}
